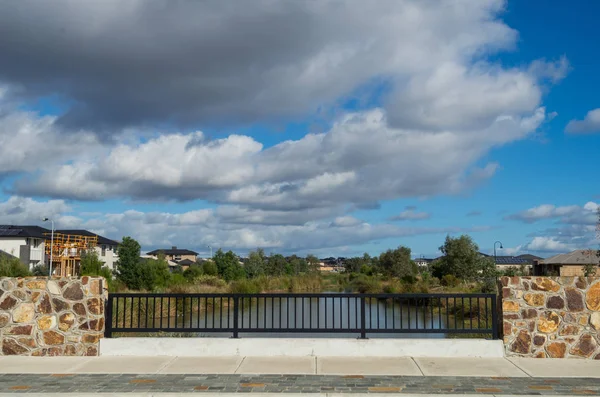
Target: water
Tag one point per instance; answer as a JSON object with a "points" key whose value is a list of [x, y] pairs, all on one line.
{"points": [[270, 315]]}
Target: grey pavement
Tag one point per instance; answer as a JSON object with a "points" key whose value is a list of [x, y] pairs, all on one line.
{"points": [[324, 376]]}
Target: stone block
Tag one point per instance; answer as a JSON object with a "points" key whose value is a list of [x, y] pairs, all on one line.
{"points": [[21, 295], [574, 300], [535, 299], [522, 343], [79, 309], [44, 305], [8, 303], [555, 302], [11, 347], [570, 329], [529, 313], [592, 298], [581, 283], [595, 320], [19, 330], [510, 306], [584, 319], [46, 322], [585, 347], [539, 340], [66, 321], [4, 319], [545, 284], [53, 288], [73, 292], [53, 338], [23, 313], [556, 349], [548, 322], [36, 284], [95, 306], [91, 338], [60, 305], [93, 325]]}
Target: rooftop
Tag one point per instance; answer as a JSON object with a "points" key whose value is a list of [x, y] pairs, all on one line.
{"points": [[173, 251], [13, 231], [81, 232], [577, 257]]}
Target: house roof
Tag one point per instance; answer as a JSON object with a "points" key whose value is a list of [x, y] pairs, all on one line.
{"points": [[577, 257], [80, 232], [173, 251], [12, 231], [511, 260], [4, 254], [186, 262], [530, 258]]}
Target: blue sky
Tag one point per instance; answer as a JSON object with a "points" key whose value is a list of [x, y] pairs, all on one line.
{"points": [[337, 129]]}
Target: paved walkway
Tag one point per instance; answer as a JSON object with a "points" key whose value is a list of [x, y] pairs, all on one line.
{"points": [[325, 375]]}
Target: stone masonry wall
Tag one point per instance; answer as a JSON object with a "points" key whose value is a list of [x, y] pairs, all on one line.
{"points": [[554, 317], [57, 317]]}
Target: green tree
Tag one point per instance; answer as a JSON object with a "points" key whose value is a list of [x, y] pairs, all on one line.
{"points": [[12, 267], [397, 263], [156, 273], [40, 270], [313, 263], [90, 264], [228, 265], [461, 259], [129, 269], [591, 267], [210, 268], [296, 265], [276, 265], [192, 273], [255, 266], [353, 265]]}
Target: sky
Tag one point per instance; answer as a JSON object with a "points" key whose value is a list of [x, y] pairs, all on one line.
{"points": [[334, 127]]}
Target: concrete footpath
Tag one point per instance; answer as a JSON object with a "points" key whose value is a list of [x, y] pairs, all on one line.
{"points": [[322, 375]]}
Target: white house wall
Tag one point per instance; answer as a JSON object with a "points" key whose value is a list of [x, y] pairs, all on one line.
{"points": [[12, 245]]}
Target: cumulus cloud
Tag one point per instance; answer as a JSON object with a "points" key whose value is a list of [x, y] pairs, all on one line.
{"points": [[590, 124], [567, 214], [548, 244], [145, 62], [317, 171], [411, 214], [216, 227]]}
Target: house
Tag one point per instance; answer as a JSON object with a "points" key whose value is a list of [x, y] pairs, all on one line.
{"points": [[175, 254], [31, 244], [24, 242], [423, 262], [504, 262], [570, 264], [106, 248], [6, 255]]}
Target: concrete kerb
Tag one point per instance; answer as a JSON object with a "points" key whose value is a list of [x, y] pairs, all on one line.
{"points": [[301, 347]]}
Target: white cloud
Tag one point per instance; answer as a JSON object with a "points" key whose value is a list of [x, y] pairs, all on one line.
{"points": [[548, 244], [410, 214], [590, 124], [25, 211], [549, 211]]}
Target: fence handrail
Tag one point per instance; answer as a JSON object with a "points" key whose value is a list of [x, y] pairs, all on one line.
{"points": [[300, 295], [335, 313]]}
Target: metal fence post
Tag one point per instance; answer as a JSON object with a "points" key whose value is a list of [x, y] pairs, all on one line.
{"points": [[495, 317], [363, 318], [235, 316], [108, 317]]}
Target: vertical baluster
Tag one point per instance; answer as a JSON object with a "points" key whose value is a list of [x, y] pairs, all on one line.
{"points": [[416, 313], [348, 312], [205, 312], [228, 305], [168, 312], [409, 310], [401, 319], [265, 312], [439, 306], [182, 311], [221, 312], [287, 314], [310, 302], [213, 311], [393, 313], [257, 312], [430, 300], [462, 299], [487, 326], [131, 314], [333, 312], [116, 312], [478, 314], [295, 313], [385, 313], [161, 312], [356, 312], [325, 312], [341, 311], [198, 305], [471, 311], [302, 304], [280, 326], [318, 312], [191, 312], [146, 314]]}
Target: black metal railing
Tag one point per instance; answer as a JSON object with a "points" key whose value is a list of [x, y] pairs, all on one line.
{"points": [[362, 314]]}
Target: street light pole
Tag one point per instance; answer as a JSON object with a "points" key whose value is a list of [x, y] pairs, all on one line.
{"points": [[51, 245], [501, 247]]}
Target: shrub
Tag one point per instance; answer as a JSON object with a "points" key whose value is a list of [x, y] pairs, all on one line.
{"points": [[12, 267], [366, 285], [40, 270], [450, 280], [244, 287], [210, 268], [192, 273], [212, 281]]}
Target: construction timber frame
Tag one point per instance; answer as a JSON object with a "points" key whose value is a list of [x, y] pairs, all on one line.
{"points": [[66, 252]]}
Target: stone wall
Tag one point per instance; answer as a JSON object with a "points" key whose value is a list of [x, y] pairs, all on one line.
{"points": [[58, 317], [555, 317]]}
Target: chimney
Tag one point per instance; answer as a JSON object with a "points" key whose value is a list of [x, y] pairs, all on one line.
{"points": [[173, 247]]}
